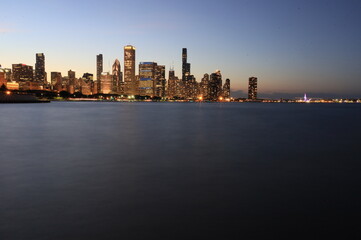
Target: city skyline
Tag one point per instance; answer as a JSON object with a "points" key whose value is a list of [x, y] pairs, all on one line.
{"points": [[292, 47]]}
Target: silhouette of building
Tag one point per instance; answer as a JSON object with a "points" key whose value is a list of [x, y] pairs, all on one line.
{"points": [[252, 88], [130, 81], [40, 74]]}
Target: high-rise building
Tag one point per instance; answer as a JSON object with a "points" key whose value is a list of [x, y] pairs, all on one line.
{"points": [[22, 73], [204, 87], [99, 70], [190, 86], [147, 78], [40, 75], [2, 78], [56, 81], [106, 83], [186, 67], [130, 83], [117, 77], [88, 76], [71, 81], [215, 86], [175, 86], [227, 89], [252, 88], [160, 81]]}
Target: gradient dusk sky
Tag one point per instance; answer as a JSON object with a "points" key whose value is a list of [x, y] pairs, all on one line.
{"points": [[292, 46]]}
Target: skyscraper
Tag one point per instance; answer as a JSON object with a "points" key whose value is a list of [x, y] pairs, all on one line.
{"points": [[204, 87], [189, 82], [160, 81], [186, 67], [252, 88], [215, 86], [227, 89], [130, 83], [117, 77], [40, 76], [22, 73], [99, 70], [147, 78], [106, 83]]}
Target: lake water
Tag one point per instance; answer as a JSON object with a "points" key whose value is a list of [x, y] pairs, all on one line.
{"points": [[179, 171]]}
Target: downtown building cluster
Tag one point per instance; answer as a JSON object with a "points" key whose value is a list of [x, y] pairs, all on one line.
{"points": [[150, 81]]}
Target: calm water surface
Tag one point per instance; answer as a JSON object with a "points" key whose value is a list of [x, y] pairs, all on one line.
{"points": [[179, 171]]}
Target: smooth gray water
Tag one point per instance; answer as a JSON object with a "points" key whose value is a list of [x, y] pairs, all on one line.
{"points": [[179, 171]]}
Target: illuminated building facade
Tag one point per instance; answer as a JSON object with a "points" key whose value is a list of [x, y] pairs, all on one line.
{"points": [[174, 89], [160, 81], [106, 80], [117, 77], [23, 74], [99, 70], [204, 87], [40, 75], [215, 86], [147, 77], [71, 82], [56, 81], [227, 89], [130, 81], [252, 88], [3, 80]]}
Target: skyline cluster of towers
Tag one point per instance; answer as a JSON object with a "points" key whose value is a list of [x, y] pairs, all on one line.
{"points": [[150, 81]]}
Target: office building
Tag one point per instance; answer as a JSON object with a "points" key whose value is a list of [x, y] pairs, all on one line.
{"points": [[147, 77], [117, 77], [106, 80], [252, 88], [215, 86], [99, 70], [227, 89], [40, 74], [130, 81]]}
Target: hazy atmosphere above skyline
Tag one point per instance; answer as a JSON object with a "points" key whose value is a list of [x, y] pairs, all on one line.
{"points": [[292, 47]]}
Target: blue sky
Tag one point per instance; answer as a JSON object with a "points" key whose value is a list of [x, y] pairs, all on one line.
{"points": [[292, 46]]}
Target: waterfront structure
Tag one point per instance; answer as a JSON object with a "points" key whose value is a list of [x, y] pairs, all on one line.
{"points": [[252, 88], [117, 77], [130, 81], [40, 74], [99, 70], [215, 86], [106, 80], [227, 89]]}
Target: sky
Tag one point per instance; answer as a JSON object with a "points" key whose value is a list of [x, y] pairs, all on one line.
{"points": [[292, 46]]}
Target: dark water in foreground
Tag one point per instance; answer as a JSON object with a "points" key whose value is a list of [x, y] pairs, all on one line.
{"points": [[179, 171]]}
